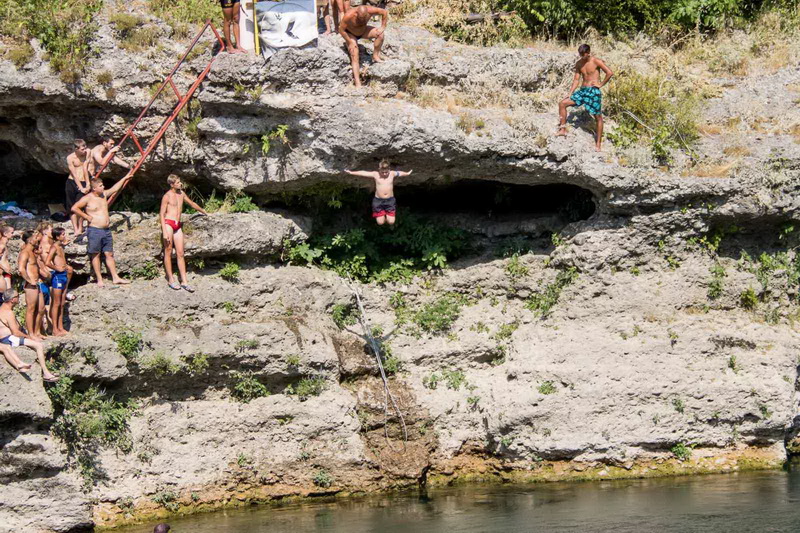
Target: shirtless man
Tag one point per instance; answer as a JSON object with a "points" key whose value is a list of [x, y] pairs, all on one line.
{"points": [[324, 13], [56, 261], [587, 68], [12, 336], [29, 270], [354, 27], [170, 219], [5, 267], [384, 205], [95, 205], [45, 228], [77, 182], [106, 150], [340, 9]]}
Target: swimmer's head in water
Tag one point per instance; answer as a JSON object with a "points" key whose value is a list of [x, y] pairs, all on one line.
{"points": [[80, 146], [174, 181], [161, 528], [584, 50]]}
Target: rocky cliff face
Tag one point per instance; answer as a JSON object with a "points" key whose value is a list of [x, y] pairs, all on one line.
{"points": [[637, 342]]}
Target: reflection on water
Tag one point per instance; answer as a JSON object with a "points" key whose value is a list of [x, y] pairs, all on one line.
{"points": [[750, 502]]}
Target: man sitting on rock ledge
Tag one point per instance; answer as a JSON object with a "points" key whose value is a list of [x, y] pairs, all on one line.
{"points": [[12, 335], [100, 240], [354, 27]]}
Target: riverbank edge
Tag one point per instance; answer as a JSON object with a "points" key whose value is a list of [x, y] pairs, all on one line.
{"points": [[462, 469]]}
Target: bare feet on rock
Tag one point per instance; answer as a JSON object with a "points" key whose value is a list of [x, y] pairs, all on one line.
{"points": [[120, 281], [562, 131]]}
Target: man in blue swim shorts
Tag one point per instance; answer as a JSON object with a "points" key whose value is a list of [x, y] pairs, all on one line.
{"points": [[587, 74]]}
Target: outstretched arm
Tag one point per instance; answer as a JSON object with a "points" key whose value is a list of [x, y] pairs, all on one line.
{"points": [[601, 64], [401, 174], [111, 193], [361, 173], [193, 205]]}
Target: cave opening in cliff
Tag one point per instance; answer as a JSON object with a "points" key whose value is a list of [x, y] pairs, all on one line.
{"points": [[26, 182]]}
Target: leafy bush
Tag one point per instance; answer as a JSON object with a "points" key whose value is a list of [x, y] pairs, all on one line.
{"points": [[233, 202], [182, 12], [129, 342], [515, 269], [196, 363], [432, 381], [652, 109], [147, 271], [547, 387], [307, 387], [230, 272], [166, 499], [65, 29], [682, 452], [322, 478], [392, 365], [370, 253], [277, 133], [748, 299], [438, 316], [715, 283], [160, 364], [542, 302], [20, 55], [344, 315], [247, 387], [454, 378], [246, 344], [87, 420]]}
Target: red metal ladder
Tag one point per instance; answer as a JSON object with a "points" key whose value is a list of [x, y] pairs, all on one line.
{"points": [[182, 101]]}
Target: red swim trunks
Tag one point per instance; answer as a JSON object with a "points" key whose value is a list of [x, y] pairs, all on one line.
{"points": [[176, 226], [384, 207]]}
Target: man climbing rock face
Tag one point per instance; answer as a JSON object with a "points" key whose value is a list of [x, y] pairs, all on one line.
{"points": [[354, 26], [384, 204], [588, 69]]}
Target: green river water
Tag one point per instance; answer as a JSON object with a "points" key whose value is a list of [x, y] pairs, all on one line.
{"points": [[744, 502]]}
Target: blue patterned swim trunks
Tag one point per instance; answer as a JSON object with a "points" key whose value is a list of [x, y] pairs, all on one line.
{"points": [[589, 97]]}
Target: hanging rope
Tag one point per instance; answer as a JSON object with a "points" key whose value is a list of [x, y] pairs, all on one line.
{"points": [[388, 397]]}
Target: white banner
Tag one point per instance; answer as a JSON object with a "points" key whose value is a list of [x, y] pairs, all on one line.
{"points": [[292, 23]]}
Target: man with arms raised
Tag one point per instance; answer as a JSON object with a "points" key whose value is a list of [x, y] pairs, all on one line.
{"points": [[77, 182], [27, 262], [106, 150], [587, 69], [94, 208], [12, 336], [384, 204], [354, 27], [171, 230]]}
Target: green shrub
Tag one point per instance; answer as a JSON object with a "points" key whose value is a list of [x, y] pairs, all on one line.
{"points": [[160, 364], [547, 387], [454, 378], [748, 299], [196, 363], [87, 420], [247, 387], [678, 405], [293, 361], [322, 478], [515, 269], [392, 365], [432, 381], [65, 29], [166, 499], [344, 315], [682, 452], [542, 302], [307, 387], [192, 132], [438, 316], [129, 342], [715, 283], [148, 271], [230, 272], [652, 109], [104, 77], [448, 20], [277, 133], [20, 54], [370, 253], [733, 364], [246, 344], [195, 12]]}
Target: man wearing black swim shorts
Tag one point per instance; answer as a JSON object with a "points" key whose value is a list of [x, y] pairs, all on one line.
{"points": [[384, 205], [230, 12], [77, 182], [353, 27]]}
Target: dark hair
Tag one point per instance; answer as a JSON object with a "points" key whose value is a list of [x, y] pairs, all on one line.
{"points": [[26, 236], [584, 49], [162, 528], [57, 233], [79, 143]]}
